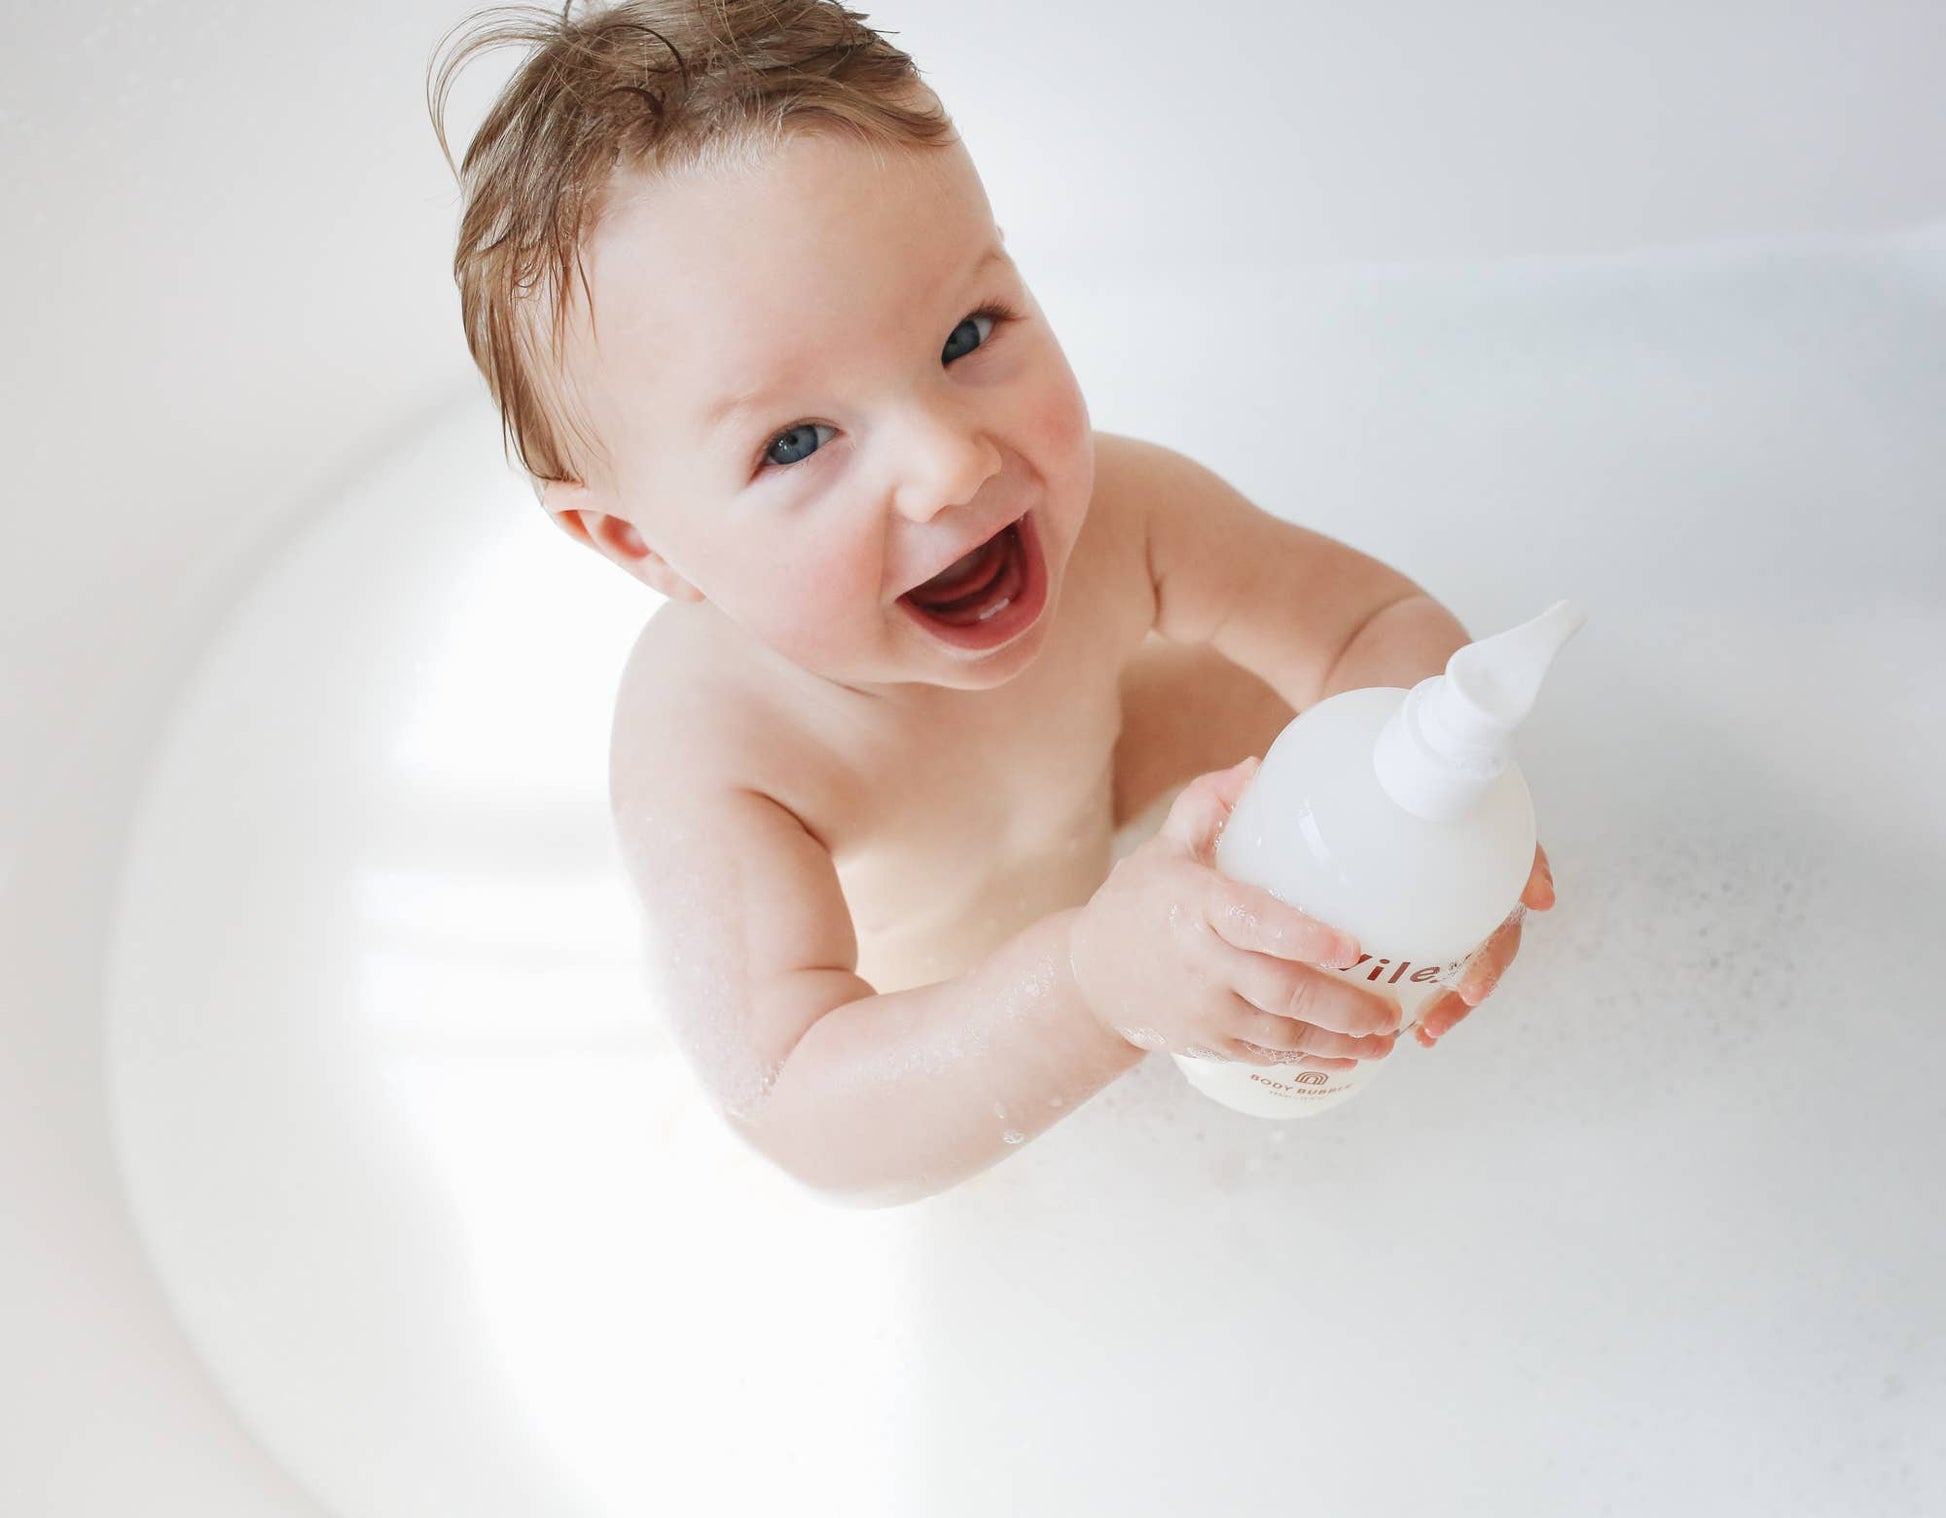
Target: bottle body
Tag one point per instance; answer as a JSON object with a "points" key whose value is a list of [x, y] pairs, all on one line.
{"points": [[1317, 830]]}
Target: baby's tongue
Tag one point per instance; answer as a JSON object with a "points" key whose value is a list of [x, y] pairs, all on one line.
{"points": [[943, 583]]}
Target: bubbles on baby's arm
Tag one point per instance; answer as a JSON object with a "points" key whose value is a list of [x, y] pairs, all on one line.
{"points": [[700, 1009], [743, 1097]]}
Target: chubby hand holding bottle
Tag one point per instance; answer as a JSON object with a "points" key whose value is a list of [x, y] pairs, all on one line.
{"points": [[1399, 817], [1170, 953]]}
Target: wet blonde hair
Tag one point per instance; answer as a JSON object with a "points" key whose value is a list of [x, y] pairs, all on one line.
{"points": [[651, 87]]}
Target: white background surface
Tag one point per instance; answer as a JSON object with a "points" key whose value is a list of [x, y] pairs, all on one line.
{"points": [[231, 295]]}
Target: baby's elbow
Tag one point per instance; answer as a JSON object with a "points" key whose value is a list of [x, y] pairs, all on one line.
{"points": [[787, 1119], [810, 1168]]}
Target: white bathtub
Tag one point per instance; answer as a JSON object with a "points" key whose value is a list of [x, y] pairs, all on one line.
{"points": [[349, 1174]]}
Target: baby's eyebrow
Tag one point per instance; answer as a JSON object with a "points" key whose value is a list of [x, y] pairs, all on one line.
{"points": [[729, 408]]}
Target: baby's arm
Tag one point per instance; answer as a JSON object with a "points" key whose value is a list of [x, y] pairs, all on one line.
{"points": [[868, 1099], [879, 1099], [1305, 613], [1308, 615]]}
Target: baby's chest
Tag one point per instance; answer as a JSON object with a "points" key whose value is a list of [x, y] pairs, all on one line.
{"points": [[986, 824]]}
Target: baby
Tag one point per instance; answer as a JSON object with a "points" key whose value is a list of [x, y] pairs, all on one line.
{"points": [[930, 640]]}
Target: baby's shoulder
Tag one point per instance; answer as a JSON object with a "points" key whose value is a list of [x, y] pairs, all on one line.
{"points": [[1116, 508], [686, 717], [1114, 551]]}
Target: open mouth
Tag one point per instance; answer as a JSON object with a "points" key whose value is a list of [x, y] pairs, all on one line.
{"points": [[989, 597]]}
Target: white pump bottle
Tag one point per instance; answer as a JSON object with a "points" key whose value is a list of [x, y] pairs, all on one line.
{"points": [[1399, 817]]}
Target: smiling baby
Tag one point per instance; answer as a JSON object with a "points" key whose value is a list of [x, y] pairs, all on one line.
{"points": [[929, 638]]}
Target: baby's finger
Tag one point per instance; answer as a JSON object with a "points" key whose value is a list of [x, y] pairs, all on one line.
{"points": [[1442, 1013], [1197, 815], [1301, 994], [1538, 893], [1265, 1030], [1484, 970], [1250, 918]]}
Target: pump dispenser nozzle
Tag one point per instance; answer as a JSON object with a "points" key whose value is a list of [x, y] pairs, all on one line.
{"points": [[1448, 742]]}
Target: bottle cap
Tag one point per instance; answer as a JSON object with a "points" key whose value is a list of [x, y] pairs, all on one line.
{"points": [[1449, 741]]}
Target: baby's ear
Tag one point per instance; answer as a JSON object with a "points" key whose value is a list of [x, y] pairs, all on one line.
{"points": [[613, 536]]}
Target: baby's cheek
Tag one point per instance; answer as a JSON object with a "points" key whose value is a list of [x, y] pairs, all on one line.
{"points": [[832, 605], [1063, 439], [1057, 419]]}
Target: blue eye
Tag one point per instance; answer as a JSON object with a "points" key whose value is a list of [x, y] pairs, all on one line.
{"points": [[802, 436], [988, 316]]}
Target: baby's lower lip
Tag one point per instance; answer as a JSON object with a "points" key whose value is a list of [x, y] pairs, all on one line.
{"points": [[1024, 583]]}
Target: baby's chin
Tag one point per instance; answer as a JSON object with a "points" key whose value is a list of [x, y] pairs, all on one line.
{"points": [[929, 667], [986, 676], [991, 671]]}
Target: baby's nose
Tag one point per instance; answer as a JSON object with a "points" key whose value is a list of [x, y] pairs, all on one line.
{"points": [[945, 475]]}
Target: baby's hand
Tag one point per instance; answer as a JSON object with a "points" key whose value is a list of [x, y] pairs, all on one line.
{"points": [[1490, 962], [1171, 954]]}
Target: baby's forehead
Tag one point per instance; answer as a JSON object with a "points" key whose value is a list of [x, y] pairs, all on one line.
{"points": [[746, 269], [815, 197]]}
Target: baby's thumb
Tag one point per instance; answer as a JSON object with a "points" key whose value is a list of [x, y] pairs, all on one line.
{"points": [[1198, 815]]}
